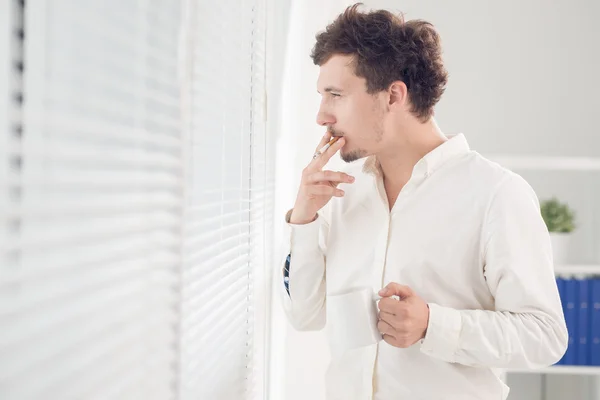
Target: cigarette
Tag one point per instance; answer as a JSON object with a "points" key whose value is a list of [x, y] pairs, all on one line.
{"points": [[324, 148]]}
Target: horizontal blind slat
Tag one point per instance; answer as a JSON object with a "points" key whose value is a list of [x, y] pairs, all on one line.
{"points": [[230, 320], [68, 154], [200, 305], [107, 180], [94, 286], [217, 269], [211, 244], [96, 254], [104, 130]]}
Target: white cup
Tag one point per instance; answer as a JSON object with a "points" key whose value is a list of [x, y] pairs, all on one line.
{"points": [[352, 319]]}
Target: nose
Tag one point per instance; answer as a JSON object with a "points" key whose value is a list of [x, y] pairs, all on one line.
{"points": [[324, 118]]}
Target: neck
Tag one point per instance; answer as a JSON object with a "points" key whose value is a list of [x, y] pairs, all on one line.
{"points": [[400, 156]]}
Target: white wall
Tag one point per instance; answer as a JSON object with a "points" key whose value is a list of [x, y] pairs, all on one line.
{"points": [[522, 80], [298, 360], [522, 73]]}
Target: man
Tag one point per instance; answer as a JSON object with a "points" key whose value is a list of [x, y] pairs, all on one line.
{"points": [[456, 242]]}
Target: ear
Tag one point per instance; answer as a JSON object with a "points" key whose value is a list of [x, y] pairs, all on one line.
{"points": [[398, 94]]}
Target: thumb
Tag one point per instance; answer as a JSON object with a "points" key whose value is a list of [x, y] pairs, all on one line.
{"points": [[396, 289]]}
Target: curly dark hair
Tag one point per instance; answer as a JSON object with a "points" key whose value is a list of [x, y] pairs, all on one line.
{"points": [[386, 48]]}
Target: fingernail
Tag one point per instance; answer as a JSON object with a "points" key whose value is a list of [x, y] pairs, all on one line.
{"points": [[383, 292], [351, 178]]}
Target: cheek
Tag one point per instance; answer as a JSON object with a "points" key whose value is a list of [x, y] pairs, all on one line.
{"points": [[353, 122]]}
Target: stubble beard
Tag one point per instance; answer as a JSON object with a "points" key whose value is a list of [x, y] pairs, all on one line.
{"points": [[353, 155], [357, 154]]}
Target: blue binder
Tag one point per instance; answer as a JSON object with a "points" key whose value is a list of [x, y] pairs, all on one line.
{"points": [[583, 326], [595, 322], [571, 308], [560, 284]]}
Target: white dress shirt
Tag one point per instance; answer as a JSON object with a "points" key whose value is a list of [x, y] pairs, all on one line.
{"points": [[467, 236]]}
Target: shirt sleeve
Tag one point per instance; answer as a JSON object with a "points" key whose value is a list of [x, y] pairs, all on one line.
{"points": [[527, 328], [304, 289]]}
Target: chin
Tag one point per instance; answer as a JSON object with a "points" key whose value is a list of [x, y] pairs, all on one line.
{"points": [[352, 155]]}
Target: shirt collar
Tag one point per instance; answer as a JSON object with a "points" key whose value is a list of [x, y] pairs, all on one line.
{"points": [[455, 145]]}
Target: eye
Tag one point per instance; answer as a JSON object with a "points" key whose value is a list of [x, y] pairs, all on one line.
{"points": [[336, 94]]}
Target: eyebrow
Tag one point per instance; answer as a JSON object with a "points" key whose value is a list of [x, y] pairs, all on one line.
{"points": [[329, 89]]}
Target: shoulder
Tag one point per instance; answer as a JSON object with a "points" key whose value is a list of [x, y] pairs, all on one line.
{"points": [[508, 193], [497, 179], [507, 183]]}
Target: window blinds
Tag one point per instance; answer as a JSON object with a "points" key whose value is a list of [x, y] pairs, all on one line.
{"points": [[135, 228], [8, 38], [89, 308], [11, 85], [226, 226]]}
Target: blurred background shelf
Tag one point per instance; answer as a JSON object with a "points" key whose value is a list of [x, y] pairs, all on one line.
{"points": [[560, 370], [577, 269], [546, 163]]}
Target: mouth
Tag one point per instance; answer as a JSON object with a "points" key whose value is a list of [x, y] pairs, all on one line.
{"points": [[334, 132]]}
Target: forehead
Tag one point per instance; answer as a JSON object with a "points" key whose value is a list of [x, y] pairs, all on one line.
{"points": [[338, 72]]}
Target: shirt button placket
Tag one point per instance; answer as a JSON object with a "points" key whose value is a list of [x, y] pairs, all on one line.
{"points": [[379, 262]]}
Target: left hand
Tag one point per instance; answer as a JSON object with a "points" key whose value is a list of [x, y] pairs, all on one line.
{"points": [[402, 322]]}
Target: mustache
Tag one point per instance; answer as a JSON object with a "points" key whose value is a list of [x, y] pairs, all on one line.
{"points": [[334, 132]]}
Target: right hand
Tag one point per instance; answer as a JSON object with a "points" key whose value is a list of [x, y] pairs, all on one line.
{"points": [[317, 187]]}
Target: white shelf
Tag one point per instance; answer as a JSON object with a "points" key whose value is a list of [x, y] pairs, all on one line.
{"points": [[559, 370], [577, 269], [550, 163]]}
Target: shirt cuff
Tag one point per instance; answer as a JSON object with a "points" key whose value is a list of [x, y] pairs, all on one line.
{"points": [[443, 333], [304, 237], [286, 274]]}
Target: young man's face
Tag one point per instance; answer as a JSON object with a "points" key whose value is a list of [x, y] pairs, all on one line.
{"points": [[348, 110]]}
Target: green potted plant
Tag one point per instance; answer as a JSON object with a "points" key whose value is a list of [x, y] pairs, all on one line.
{"points": [[560, 220]]}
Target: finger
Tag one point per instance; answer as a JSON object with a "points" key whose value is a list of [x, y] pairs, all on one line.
{"points": [[326, 156], [387, 317], [386, 329], [330, 176], [390, 340], [395, 289], [325, 190], [389, 305], [324, 140]]}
